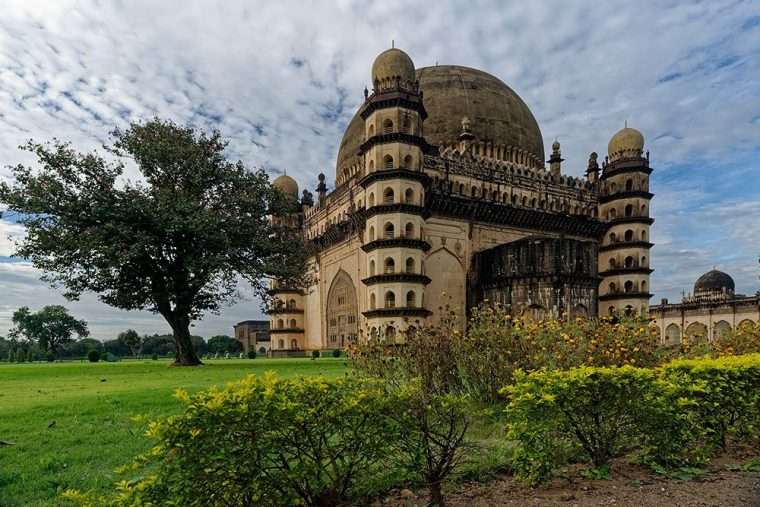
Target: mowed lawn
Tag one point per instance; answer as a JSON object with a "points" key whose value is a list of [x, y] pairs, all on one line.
{"points": [[72, 425]]}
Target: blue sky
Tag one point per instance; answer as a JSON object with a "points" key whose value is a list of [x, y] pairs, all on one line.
{"points": [[282, 79]]}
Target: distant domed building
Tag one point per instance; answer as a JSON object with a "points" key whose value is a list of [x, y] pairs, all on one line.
{"points": [[711, 310], [443, 198]]}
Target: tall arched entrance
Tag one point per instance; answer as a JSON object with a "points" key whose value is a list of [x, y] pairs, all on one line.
{"points": [[342, 322]]}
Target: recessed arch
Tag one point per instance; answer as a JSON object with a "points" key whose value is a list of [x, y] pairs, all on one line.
{"points": [[672, 334], [342, 311]]}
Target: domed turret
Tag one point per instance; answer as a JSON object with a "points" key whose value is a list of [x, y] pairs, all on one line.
{"points": [[626, 143], [392, 66], [714, 281], [286, 184]]}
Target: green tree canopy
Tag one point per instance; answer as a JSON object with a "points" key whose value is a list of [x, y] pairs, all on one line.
{"points": [[175, 243], [50, 327], [224, 344], [131, 340]]}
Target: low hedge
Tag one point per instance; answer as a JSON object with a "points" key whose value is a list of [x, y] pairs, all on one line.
{"points": [[675, 414], [263, 441]]}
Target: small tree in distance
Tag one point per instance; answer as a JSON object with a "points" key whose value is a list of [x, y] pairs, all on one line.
{"points": [[50, 327], [131, 340], [175, 243]]}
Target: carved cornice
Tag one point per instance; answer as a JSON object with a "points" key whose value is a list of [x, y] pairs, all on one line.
{"points": [[285, 290], [622, 245], [396, 278], [633, 270], [417, 244], [631, 220], [403, 311], [392, 137], [285, 330], [384, 209], [626, 194], [392, 174], [624, 295], [284, 311], [396, 98], [625, 166], [497, 213]]}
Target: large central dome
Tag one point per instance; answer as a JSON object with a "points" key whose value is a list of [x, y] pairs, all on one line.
{"points": [[450, 92]]}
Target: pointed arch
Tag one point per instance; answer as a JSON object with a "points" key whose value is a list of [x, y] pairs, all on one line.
{"points": [[342, 314]]}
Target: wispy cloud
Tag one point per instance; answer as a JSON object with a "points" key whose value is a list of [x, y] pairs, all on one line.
{"points": [[282, 79]]}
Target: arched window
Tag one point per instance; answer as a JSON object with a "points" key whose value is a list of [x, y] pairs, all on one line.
{"points": [[628, 185], [293, 324], [409, 196], [407, 125], [281, 344], [390, 299], [613, 214], [643, 261], [291, 304], [643, 210], [409, 230], [410, 265], [643, 235], [505, 197], [494, 196], [387, 126], [613, 237], [461, 189], [371, 131], [533, 203], [388, 196], [643, 286], [411, 299], [408, 162], [372, 268], [613, 187], [371, 199], [514, 200], [293, 344], [628, 286], [388, 231], [629, 262], [474, 192], [372, 301], [612, 288], [629, 235], [280, 324], [372, 233], [390, 265], [525, 201], [390, 333], [629, 210], [371, 165], [388, 162], [613, 264]]}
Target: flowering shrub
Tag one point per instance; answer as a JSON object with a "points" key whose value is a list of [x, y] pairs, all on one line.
{"points": [[720, 396], [263, 441], [745, 339], [597, 412]]}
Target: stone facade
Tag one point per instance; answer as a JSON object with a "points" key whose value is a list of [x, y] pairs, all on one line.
{"points": [[253, 335], [442, 199], [711, 310]]}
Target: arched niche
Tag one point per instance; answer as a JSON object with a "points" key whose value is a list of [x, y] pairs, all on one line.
{"points": [[342, 312]]}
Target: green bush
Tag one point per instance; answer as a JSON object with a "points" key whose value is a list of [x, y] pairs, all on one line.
{"points": [[93, 356], [251, 354], [597, 413], [336, 353], [315, 354], [719, 396], [265, 441], [154, 357], [50, 357]]}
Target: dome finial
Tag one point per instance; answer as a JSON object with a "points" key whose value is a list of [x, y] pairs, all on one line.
{"points": [[393, 43]]}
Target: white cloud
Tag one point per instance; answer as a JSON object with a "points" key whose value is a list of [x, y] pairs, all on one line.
{"points": [[281, 80]]}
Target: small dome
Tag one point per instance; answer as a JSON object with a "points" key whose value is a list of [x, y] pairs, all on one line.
{"points": [[286, 184], [627, 142], [393, 63], [555, 145], [714, 281]]}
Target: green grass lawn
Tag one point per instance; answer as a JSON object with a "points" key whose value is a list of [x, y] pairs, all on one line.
{"points": [[72, 422]]}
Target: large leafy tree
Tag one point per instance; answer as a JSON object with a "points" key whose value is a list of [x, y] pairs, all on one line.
{"points": [[50, 327], [177, 242]]}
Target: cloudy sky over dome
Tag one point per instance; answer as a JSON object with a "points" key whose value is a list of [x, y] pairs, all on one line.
{"points": [[282, 79]]}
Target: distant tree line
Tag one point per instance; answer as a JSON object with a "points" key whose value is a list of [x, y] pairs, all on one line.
{"points": [[48, 334]]}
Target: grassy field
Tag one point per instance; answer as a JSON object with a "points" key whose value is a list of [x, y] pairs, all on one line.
{"points": [[71, 422]]}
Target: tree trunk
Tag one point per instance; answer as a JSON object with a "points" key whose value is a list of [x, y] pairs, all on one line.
{"points": [[436, 496], [184, 352]]}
